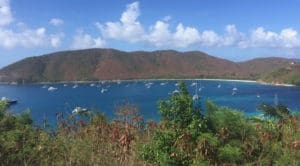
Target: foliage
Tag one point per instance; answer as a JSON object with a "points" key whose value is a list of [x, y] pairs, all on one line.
{"points": [[184, 136]]}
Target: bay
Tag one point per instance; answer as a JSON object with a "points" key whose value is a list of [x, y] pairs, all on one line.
{"points": [[105, 96]]}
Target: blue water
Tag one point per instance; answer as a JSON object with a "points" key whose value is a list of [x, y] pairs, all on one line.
{"points": [[44, 103]]}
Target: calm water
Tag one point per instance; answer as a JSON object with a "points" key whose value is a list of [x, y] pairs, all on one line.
{"points": [[42, 102]]}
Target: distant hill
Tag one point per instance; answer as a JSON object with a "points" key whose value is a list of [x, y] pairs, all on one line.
{"points": [[289, 75], [258, 67], [107, 64]]}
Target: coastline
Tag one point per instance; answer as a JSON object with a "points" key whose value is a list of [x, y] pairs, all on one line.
{"points": [[167, 79], [275, 84], [132, 80]]}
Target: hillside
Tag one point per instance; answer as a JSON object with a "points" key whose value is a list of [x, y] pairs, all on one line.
{"points": [[289, 75], [103, 64], [256, 68]]}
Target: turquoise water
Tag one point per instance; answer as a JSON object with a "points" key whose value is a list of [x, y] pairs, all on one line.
{"points": [[144, 94]]}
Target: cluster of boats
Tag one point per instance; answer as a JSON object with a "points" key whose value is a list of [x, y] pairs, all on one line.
{"points": [[148, 85]]}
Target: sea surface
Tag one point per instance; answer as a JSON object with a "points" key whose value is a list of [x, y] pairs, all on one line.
{"points": [[104, 97]]}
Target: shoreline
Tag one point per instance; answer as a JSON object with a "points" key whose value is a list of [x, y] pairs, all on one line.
{"points": [[169, 79]]}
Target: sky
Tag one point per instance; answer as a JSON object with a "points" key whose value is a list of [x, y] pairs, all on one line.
{"points": [[237, 30]]}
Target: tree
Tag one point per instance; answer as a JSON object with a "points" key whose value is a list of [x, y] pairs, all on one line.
{"points": [[181, 123]]}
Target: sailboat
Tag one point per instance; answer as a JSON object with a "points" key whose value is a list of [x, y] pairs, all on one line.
{"points": [[258, 96], [51, 88], [103, 90], [195, 96], [194, 84], [200, 89], [219, 85], [275, 99], [234, 90]]}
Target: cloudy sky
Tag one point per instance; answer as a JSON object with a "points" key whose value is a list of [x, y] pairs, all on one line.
{"points": [[233, 29]]}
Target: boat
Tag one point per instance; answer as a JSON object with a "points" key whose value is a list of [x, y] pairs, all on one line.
{"points": [[65, 85], [9, 101], [234, 91], [258, 96], [77, 110], [92, 84], [103, 90], [45, 86], [195, 96], [163, 83], [219, 85], [148, 85], [175, 91], [194, 84], [51, 88], [75, 86]]}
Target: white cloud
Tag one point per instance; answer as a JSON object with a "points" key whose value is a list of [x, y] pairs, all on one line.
{"points": [[160, 34], [23, 36], [56, 22], [128, 28], [5, 13], [82, 40], [260, 37], [209, 38], [233, 36], [28, 38], [287, 38], [56, 39], [186, 36]]}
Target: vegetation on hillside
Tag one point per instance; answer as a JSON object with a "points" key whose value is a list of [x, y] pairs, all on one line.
{"points": [[186, 135], [109, 64], [288, 75]]}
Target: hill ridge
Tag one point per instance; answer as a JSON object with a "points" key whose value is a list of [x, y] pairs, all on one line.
{"points": [[108, 63]]}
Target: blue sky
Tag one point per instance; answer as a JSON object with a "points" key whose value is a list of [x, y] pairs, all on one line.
{"points": [[233, 29]]}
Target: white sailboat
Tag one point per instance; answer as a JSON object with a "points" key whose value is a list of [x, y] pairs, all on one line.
{"points": [[194, 84], [163, 83], [234, 90], [79, 110], [195, 96], [103, 90], [51, 88], [75, 86], [175, 91]]}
